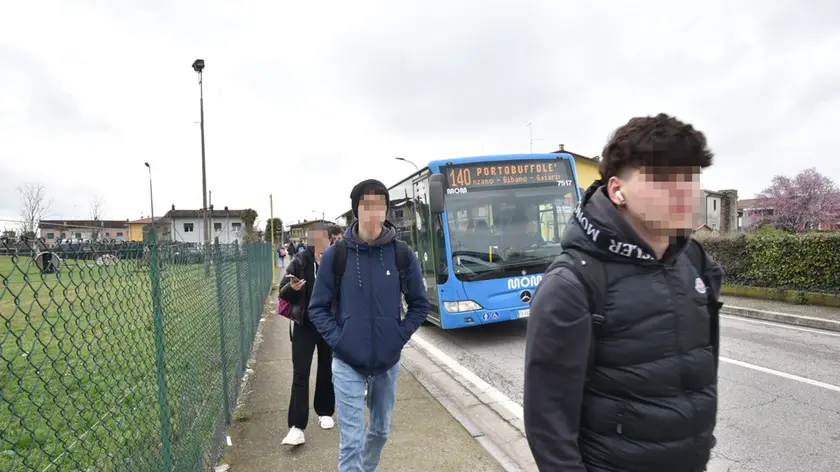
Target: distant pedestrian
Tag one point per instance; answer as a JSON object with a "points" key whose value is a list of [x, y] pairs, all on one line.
{"points": [[296, 289], [622, 344], [336, 234], [357, 310], [281, 256]]}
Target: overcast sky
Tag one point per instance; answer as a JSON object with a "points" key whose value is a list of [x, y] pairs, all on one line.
{"points": [[304, 99]]}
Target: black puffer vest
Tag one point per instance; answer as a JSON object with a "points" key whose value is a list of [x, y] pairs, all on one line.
{"points": [[651, 397]]}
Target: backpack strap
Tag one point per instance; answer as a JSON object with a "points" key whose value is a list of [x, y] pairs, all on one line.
{"points": [[697, 254], [592, 274], [403, 256], [403, 253], [339, 263]]}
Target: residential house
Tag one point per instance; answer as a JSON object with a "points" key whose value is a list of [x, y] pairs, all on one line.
{"points": [[717, 210], [138, 229], [82, 230], [750, 212], [345, 219], [297, 231], [187, 225], [586, 168]]}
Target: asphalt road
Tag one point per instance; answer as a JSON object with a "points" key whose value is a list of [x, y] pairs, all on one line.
{"points": [[779, 389]]}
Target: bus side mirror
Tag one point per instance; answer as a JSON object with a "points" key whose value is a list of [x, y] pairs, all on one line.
{"points": [[436, 193]]}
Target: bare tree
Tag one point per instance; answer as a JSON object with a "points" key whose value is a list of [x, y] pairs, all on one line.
{"points": [[96, 210], [35, 207]]}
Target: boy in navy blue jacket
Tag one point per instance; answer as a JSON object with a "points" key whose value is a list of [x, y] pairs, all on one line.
{"points": [[366, 332]]}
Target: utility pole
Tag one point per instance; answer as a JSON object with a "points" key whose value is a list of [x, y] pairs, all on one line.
{"points": [[530, 139]]}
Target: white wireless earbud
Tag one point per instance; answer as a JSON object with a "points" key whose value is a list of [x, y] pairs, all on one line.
{"points": [[620, 196]]}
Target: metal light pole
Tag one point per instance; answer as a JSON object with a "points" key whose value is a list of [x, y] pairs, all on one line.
{"points": [[406, 160], [198, 67], [151, 196], [323, 218]]}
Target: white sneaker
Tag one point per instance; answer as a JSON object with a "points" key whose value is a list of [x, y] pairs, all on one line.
{"points": [[294, 438], [326, 422]]}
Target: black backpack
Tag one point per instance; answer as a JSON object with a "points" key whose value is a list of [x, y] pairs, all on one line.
{"points": [[591, 272], [403, 253]]}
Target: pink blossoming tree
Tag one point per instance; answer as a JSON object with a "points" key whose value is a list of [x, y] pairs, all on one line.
{"points": [[801, 203]]}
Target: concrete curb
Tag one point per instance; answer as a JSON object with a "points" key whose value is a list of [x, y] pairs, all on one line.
{"points": [[783, 318], [491, 426]]}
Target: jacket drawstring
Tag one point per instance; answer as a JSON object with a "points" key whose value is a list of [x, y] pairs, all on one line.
{"points": [[358, 267], [358, 263]]}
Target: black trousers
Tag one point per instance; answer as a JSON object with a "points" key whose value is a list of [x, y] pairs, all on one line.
{"points": [[305, 338]]}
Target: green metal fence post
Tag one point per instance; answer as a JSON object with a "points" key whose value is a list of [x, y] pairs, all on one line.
{"points": [[261, 281], [160, 361], [264, 280], [249, 297], [243, 361], [255, 287], [217, 261]]}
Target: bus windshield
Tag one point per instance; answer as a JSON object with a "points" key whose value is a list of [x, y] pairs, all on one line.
{"points": [[504, 218]]}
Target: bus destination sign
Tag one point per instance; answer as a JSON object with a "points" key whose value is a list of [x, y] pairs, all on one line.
{"points": [[494, 174]]}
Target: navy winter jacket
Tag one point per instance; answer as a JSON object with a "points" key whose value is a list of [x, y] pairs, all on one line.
{"points": [[368, 334]]}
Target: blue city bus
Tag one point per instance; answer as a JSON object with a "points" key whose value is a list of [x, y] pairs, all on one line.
{"points": [[484, 230]]}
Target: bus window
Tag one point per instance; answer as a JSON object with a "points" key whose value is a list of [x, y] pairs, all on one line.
{"points": [[424, 235], [441, 269], [515, 219], [401, 212]]}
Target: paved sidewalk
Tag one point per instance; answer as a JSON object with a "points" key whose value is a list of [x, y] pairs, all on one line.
{"points": [[424, 436], [806, 316], [814, 311]]}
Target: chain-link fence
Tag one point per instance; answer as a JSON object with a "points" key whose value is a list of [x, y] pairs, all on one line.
{"points": [[124, 356]]}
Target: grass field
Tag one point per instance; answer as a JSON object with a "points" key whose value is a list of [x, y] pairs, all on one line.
{"points": [[78, 384]]}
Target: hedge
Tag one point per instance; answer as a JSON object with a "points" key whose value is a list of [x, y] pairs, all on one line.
{"points": [[796, 261]]}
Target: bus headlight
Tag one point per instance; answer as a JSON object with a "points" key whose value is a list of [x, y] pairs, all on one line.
{"points": [[460, 307]]}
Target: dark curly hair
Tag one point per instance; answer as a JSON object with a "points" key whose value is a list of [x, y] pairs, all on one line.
{"points": [[654, 141]]}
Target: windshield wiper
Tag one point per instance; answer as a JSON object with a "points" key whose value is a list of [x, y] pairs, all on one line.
{"points": [[510, 265]]}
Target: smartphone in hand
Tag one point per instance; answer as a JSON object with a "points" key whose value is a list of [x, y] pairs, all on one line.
{"points": [[296, 282]]}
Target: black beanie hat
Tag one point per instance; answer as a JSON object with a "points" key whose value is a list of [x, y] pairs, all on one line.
{"points": [[367, 186]]}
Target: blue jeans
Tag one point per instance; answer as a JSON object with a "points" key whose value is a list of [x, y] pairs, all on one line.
{"points": [[353, 455]]}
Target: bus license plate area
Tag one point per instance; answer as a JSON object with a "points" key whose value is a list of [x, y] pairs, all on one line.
{"points": [[524, 313]]}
